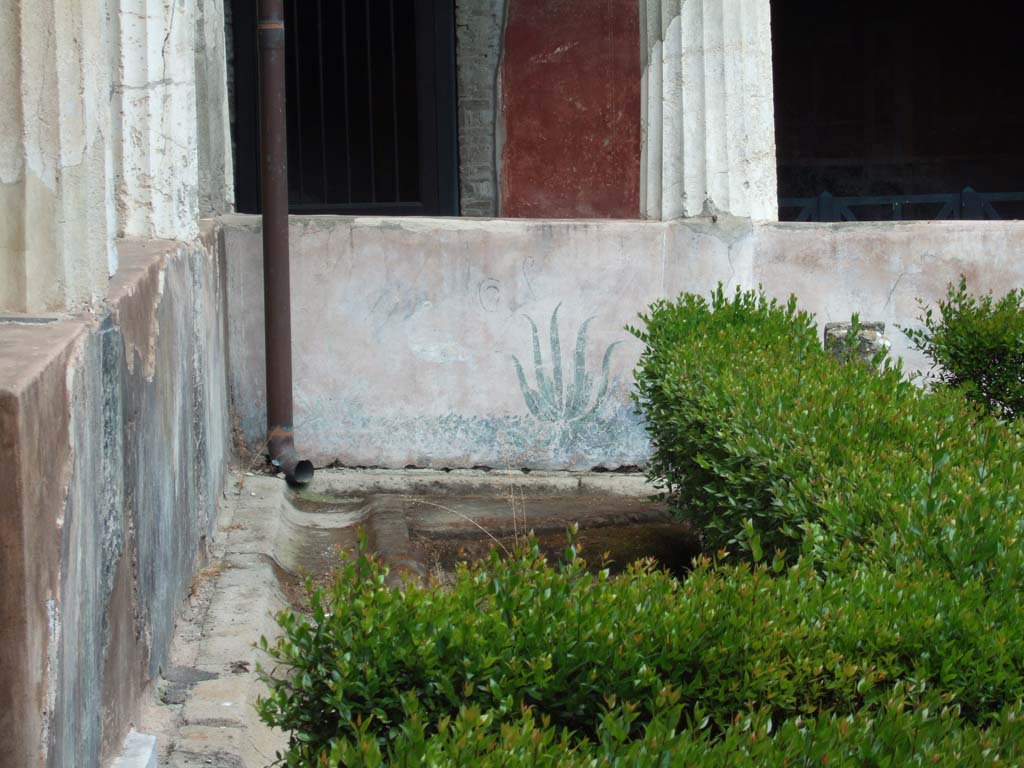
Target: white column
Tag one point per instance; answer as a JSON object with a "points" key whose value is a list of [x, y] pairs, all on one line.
{"points": [[216, 174], [55, 239], [101, 137], [707, 109], [157, 160]]}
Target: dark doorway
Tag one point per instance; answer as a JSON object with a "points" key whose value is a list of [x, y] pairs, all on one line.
{"points": [[371, 107], [912, 105]]}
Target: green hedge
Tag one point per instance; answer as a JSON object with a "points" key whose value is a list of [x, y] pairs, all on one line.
{"points": [[757, 431], [904, 732], [730, 642], [875, 619], [977, 345]]}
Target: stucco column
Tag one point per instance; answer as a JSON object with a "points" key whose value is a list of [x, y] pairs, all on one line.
{"points": [[108, 111], [707, 112], [216, 174], [155, 103], [56, 249]]}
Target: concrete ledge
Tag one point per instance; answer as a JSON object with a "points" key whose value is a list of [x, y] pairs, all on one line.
{"points": [[474, 481], [206, 714]]}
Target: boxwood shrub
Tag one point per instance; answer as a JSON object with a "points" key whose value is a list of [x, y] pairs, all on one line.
{"points": [[977, 344], [905, 731], [873, 619], [762, 437], [567, 658]]}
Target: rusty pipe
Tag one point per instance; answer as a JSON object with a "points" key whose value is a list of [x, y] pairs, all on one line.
{"points": [[276, 284]]}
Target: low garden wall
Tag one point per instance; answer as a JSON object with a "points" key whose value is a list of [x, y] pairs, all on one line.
{"points": [[414, 339], [115, 433]]}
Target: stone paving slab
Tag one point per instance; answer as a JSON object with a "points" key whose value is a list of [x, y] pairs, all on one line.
{"points": [[203, 709], [139, 752]]}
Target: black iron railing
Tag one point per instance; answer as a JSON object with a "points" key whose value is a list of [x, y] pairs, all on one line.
{"points": [[967, 204]]}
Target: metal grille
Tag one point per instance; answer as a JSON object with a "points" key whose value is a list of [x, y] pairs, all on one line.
{"points": [[353, 118], [370, 106], [967, 204]]}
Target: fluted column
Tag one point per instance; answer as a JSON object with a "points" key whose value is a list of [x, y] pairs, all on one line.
{"points": [[155, 100], [55, 197], [108, 109], [708, 115], [216, 174]]}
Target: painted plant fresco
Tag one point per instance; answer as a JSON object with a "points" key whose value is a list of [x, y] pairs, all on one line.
{"points": [[613, 436], [575, 418], [554, 399]]}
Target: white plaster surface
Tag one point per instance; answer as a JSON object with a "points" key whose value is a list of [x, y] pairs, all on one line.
{"points": [[880, 270], [707, 109], [405, 331]]}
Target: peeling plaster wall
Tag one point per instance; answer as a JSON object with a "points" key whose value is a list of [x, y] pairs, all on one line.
{"points": [[113, 418], [407, 332], [35, 438], [101, 137], [116, 431]]}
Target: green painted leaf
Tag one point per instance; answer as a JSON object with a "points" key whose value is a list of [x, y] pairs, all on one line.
{"points": [[543, 385], [578, 389], [556, 361], [605, 374], [529, 395]]}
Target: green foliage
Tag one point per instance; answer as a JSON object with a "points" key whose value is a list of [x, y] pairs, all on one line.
{"points": [[905, 730], [553, 399], [977, 345], [759, 432], [520, 655], [876, 620]]}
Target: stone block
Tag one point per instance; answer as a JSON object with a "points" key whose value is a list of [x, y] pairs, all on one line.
{"points": [[870, 340]]}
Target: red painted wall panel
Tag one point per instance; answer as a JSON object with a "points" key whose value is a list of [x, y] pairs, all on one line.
{"points": [[571, 109]]}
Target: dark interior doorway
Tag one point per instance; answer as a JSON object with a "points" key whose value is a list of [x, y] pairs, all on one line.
{"points": [[371, 106], [893, 100]]}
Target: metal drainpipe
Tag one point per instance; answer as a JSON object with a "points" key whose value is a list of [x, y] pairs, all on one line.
{"points": [[276, 286]]}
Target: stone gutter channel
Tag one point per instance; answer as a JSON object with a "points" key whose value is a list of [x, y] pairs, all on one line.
{"points": [[202, 708]]}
